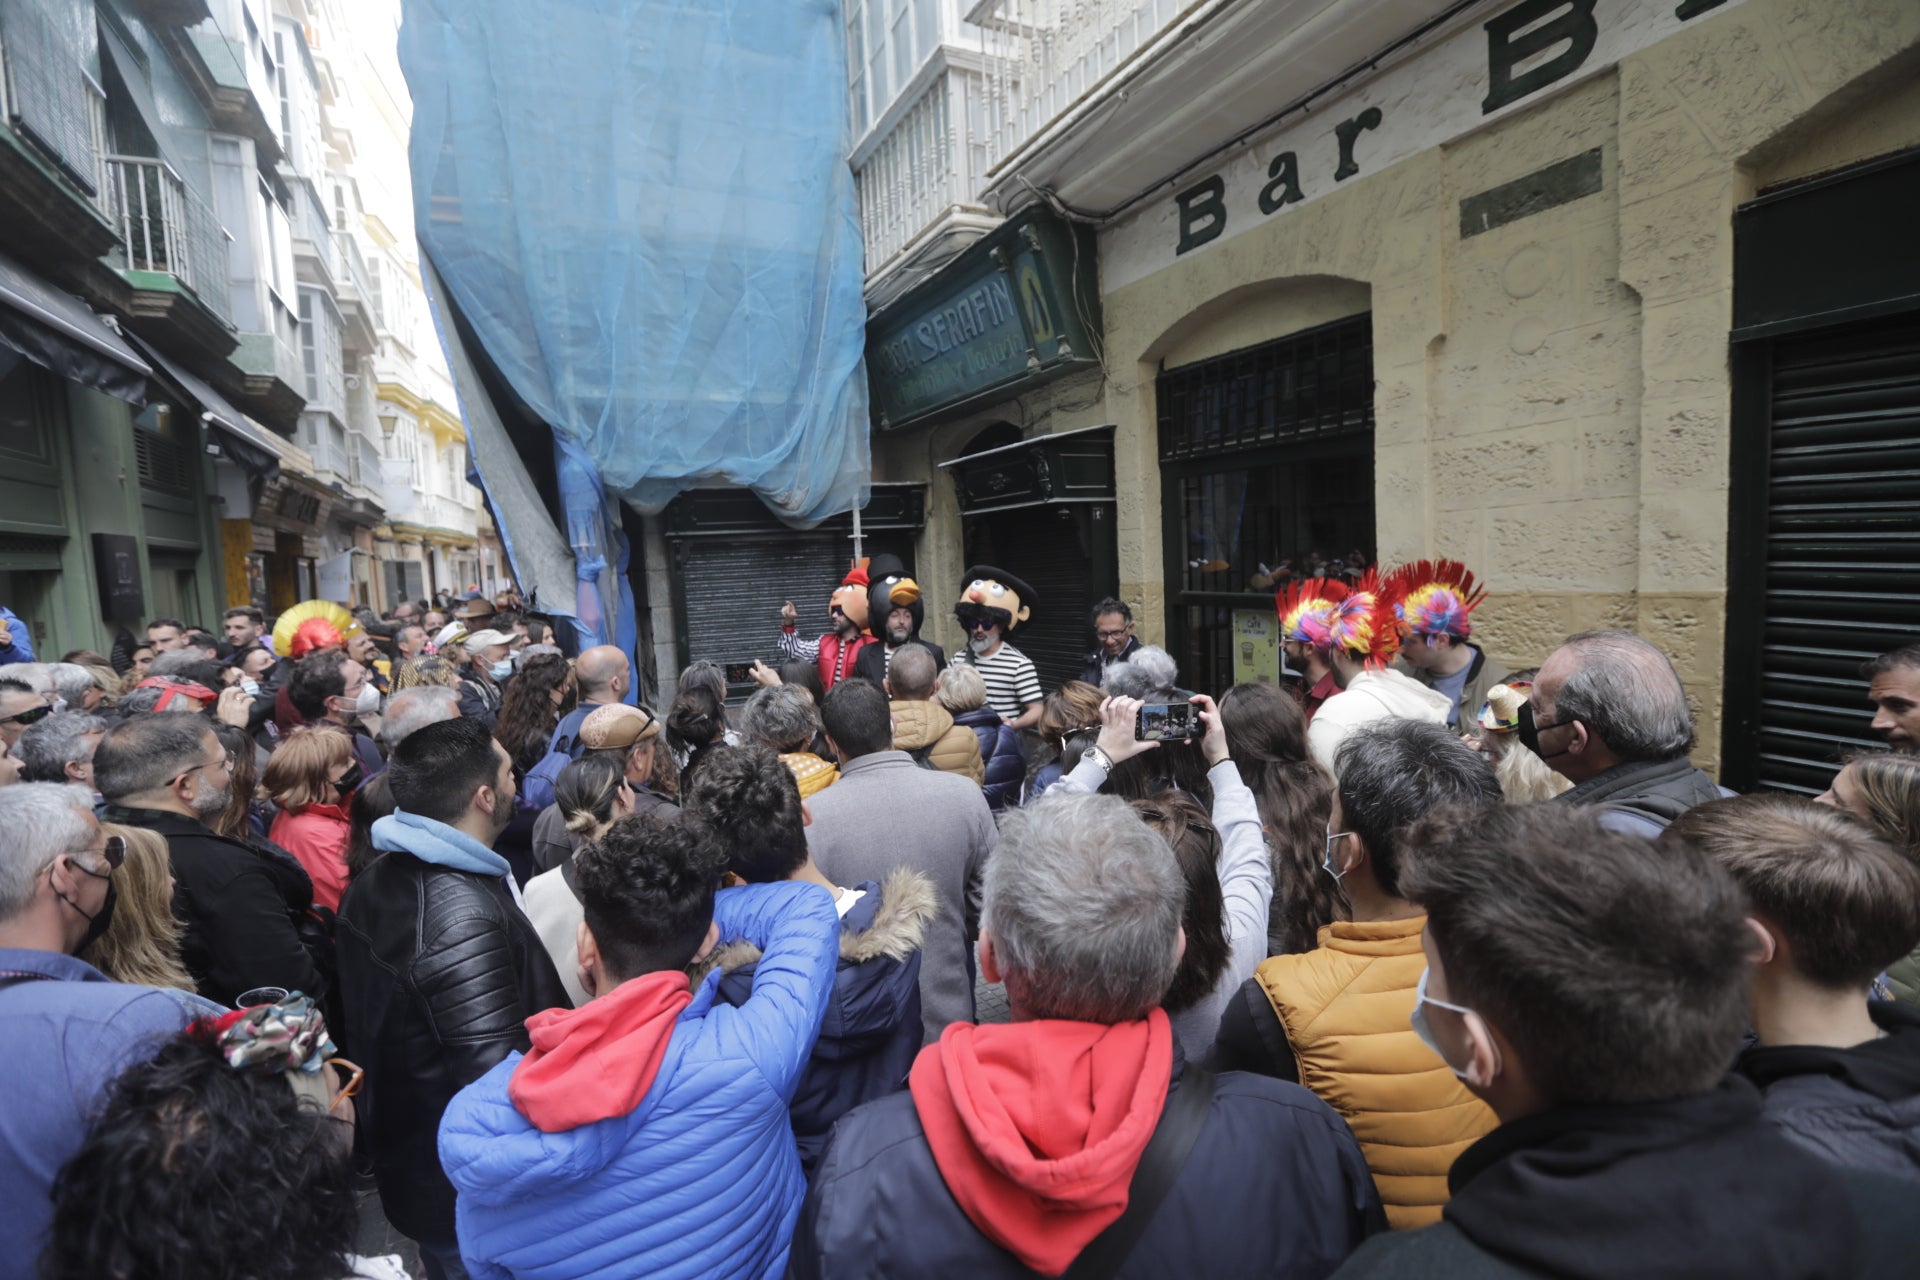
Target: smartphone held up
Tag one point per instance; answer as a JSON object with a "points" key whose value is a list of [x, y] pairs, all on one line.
{"points": [[1166, 722]]}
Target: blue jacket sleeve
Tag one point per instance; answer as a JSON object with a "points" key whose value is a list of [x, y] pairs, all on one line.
{"points": [[798, 933], [18, 646]]}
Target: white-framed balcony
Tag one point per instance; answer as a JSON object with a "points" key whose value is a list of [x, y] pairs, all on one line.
{"points": [[166, 229], [918, 171]]}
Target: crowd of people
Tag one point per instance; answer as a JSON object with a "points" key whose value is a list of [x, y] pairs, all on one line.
{"points": [[1413, 964]]}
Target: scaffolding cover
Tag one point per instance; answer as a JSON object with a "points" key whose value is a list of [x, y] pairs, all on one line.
{"points": [[644, 209]]}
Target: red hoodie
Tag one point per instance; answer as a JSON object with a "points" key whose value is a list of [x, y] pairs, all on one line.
{"points": [[1037, 1126], [598, 1061]]}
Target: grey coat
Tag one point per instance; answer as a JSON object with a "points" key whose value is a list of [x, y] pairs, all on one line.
{"points": [[887, 812]]}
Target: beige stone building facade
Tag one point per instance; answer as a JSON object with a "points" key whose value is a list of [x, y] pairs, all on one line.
{"points": [[1547, 295]]}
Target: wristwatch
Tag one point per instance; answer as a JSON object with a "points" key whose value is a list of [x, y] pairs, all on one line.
{"points": [[1099, 757]]}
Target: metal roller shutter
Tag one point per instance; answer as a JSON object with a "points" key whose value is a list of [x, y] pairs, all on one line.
{"points": [[1842, 532], [734, 588]]}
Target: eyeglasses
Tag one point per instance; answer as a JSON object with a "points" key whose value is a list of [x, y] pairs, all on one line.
{"points": [[32, 715], [1114, 635], [114, 851], [350, 1076], [227, 763]]}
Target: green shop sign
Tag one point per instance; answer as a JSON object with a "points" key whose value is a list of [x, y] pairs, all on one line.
{"points": [[1006, 313]]}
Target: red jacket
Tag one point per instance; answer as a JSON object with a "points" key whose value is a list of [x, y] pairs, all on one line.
{"points": [[837, 655], [317, 836]]}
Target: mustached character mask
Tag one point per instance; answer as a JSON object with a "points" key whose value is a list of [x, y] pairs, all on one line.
{"points": [[994, 596], [850, 597]]}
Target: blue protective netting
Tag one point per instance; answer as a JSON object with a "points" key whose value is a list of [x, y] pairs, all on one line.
{"points": [[644, 210]]}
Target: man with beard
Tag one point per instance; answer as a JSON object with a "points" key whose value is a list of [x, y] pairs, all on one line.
{"points": [[836, 651], [169, 774], [992, 604], [439, 967], [1894, 691], [895, 611]]}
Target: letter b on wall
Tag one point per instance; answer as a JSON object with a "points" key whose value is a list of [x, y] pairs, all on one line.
{"points": [[1203, 213], [1506, 50]]}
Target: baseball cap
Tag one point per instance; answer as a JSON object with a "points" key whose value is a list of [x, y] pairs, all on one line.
{"points": [[481, 639]]}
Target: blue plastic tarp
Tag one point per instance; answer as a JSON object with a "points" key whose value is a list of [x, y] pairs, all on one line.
{"points": [[645, 213]]}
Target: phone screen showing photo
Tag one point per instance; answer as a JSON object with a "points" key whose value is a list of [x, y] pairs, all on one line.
{"points": [[1164, 722]]}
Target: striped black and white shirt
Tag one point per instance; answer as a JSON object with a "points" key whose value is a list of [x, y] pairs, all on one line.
{"points": [[1011, 681]]}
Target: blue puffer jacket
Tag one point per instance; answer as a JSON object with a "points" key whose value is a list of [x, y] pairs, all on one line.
{"points": [[19, 646], [872, 1029], [1000, 752], [698, 1177]]}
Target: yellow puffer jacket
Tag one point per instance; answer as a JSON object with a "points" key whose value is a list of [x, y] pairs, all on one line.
{"points": [[811, 772], [1344, 1007], [956, 748]]}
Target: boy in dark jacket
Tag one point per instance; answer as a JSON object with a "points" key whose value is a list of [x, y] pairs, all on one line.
{"points": [[1019, 1146], [872, 1027], [1838, 1073], [1591, 988]]}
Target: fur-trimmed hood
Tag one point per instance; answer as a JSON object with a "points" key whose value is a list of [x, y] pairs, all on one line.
{"points": [[879, 972]]}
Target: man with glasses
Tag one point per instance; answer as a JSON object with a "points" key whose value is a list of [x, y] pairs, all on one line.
{"points": [[1336, 1018], [170, 774], [67, 1029], [1608, 712], [21, 705], [1113, 628]]}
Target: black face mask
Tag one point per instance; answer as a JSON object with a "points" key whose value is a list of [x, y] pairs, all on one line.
{"points": [[97, 922], [349, 780], [1529, 730]]}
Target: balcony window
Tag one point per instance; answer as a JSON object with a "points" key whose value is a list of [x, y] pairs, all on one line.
{"points": [[887, 41], [320, 352]]}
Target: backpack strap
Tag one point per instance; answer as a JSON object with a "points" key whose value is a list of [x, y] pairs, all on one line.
{"points": [[1153, 1177]]}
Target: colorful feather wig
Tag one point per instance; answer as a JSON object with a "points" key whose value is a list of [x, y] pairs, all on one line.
{"points": [[1436, 597], [1304, 607], [1366, 624]]}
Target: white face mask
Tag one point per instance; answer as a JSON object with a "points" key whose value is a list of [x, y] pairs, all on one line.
{"points": [[1421, 1028], [250, 686], [368, 702]]}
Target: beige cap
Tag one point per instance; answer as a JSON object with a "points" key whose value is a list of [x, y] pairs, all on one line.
{"points": [[482, 639], [617, 725]]}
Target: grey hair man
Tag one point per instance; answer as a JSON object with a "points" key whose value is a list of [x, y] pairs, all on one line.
{"points": [[68, 1030], [1082, 922], [414, 709], [170, 775], [1608, 712], [783, 717], [1148, 675], [73, 684], [60, 749]]}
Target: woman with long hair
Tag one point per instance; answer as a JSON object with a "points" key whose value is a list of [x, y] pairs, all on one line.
{"points": [[532, 705], [310, 777], [225, 1156], [1267, 737], [592, 794], [1882, 789], [1184, 824], [142, 942]]}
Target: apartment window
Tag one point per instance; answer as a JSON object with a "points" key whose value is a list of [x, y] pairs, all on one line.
{"points": [[887, 41], [376, 278], [286, 98]]}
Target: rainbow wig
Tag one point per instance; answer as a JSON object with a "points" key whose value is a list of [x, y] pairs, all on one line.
{"points": [[1366, 624], [1437, 597], [1304, 607]]}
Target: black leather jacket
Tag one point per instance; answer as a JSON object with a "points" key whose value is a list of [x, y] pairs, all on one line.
{"points": [[439, 971]]}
